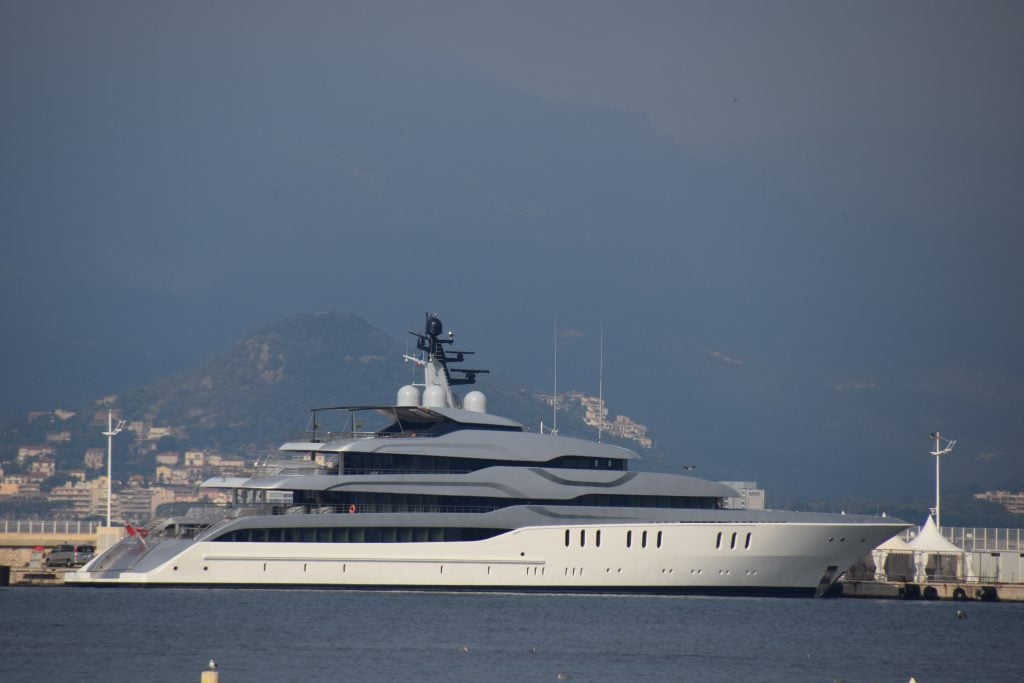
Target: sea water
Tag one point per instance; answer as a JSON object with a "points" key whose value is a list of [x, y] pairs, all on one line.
{"points": [[134, 634]]}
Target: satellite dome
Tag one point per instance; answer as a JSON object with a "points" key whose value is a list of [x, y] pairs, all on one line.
{"points": [[475, 401], [408, 396], [433, 397]]}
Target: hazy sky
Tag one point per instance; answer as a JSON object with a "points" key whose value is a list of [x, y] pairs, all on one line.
{"points": [[830, 185], [794, 68]]}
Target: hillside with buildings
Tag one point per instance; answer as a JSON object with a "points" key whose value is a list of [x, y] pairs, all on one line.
{"points": [[216, 420]]}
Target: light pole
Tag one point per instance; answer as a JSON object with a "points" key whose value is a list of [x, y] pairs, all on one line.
{"points": [[111, 432], [938, 453]]}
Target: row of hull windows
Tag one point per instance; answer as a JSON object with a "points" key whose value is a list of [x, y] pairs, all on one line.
{"points": [[399, 501], [731, 541], [382, 463], [359, 534], [596, 538]]}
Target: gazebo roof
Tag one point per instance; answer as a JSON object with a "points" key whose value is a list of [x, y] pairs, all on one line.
{"points": [[895, 544], [931, 540]]}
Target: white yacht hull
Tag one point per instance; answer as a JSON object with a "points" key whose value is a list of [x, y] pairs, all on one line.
{"points": [[699, 557]]}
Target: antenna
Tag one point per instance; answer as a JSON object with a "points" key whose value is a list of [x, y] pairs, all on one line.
{"points": [[600, 385], [554, 399], [938, 453], [111, 432]]}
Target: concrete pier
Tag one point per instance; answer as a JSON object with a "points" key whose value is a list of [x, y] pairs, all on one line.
{"points": [[987, 592]]}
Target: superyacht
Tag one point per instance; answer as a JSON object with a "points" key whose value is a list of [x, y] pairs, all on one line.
{"points": [[434, 492]]}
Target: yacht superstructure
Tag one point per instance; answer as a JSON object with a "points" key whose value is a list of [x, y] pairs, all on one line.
{"points": [[445, 495]]}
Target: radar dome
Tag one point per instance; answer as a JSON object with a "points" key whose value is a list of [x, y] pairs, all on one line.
{"points": [[408, 396], [434, 326], [475, 401], [433, 397]]}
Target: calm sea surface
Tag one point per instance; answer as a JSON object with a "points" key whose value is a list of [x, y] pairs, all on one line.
{"points": [[96, 634]]}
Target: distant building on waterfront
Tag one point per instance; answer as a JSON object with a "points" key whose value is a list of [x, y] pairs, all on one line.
{"points": [[750, 498], [1013, 502]]}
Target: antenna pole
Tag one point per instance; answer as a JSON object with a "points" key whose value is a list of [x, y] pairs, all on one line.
{"points": [[600, 385], [938, 514], [110, 434], [554, 399], [938, 453]]}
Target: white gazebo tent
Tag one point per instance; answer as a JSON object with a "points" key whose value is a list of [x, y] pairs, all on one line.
{"points": [[880, 555], [930, 543]]}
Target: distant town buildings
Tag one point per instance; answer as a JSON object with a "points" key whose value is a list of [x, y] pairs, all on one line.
{"points": [[80, 492], [1013, 502], [596, 415]]}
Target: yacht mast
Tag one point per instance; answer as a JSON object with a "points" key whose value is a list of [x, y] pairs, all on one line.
{"points": [[554, 398], [600, 385]]}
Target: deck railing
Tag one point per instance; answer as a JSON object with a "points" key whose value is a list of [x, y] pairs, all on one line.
{"points": [[320, 436]]}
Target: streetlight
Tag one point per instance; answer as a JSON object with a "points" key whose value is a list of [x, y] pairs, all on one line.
{"points": [[938, 453], [111, 432]]}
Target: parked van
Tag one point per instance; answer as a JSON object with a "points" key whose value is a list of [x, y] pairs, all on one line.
{"points": [[70, 555]]}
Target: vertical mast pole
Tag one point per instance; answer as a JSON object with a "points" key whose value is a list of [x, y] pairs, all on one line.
{"points": [[110, 449], [111, 432], [554, 399], [600, 386], [938, 459]]}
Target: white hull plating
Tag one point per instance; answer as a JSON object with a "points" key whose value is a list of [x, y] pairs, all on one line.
{"points": [[660, 557]]}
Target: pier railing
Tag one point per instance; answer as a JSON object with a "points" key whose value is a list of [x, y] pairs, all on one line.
{"points": [[49, 526], [978, 539]]}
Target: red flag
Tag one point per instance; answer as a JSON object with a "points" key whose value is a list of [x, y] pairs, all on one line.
{"points": [[131, 530]]}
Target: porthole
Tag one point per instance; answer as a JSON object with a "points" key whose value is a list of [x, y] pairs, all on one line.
{"points": [[643, 539], [597, 538], [583, 538], [629, 539], [566, 538], [746, 545], [732, 543], [718, 541]]}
